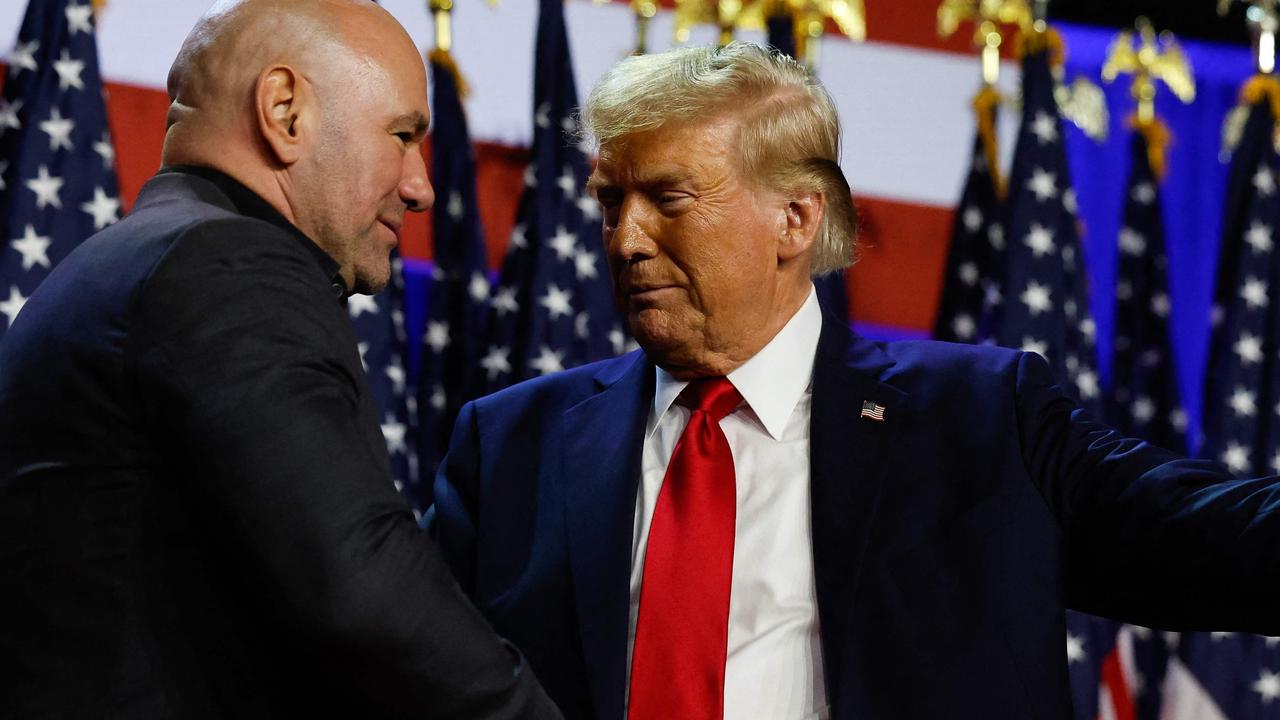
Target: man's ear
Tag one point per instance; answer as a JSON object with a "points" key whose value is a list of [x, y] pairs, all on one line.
{"points": [[803, 214], [285, 108]]}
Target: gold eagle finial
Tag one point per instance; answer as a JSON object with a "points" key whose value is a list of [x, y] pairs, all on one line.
{"points": [[1150, 59], [987, 17], [809, 17]]}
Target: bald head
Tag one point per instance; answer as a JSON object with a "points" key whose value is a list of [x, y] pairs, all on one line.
{"points": [[212, 81], [319, 107]]}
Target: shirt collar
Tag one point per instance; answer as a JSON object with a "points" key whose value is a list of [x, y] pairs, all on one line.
{"points": [[250, 204], [772, 382]]}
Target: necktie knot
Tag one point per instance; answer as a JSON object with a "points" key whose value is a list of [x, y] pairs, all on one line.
{"points": [[715, 396]]}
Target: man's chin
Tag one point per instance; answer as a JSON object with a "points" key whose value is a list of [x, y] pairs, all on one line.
{"points": [[372, 282], [655, 337], [662, 346], [368, 288]]}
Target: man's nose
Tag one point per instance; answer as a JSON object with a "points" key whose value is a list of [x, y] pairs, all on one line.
{"points": [[415, 188], [630, 239]]}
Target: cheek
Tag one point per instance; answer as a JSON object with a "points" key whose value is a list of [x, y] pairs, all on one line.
{"points": [[370, 174], [728, 246], [390, 170]]}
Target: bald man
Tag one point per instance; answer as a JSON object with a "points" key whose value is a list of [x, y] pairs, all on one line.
{"points": [[197, 518]]}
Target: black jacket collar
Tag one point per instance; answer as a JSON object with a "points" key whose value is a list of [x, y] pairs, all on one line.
{"points": [[248, 203]]}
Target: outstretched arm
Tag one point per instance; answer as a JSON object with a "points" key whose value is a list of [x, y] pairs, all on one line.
{"points": [[1150, 537]]}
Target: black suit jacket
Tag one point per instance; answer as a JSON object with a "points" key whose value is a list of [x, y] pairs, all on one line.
{"points": [[947, 539], [196, 511]]}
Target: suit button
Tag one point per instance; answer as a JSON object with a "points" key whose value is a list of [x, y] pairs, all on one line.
{"points": [[338, 290]]}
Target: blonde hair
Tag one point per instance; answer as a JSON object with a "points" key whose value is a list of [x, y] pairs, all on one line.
{"points": [[789, 135]]}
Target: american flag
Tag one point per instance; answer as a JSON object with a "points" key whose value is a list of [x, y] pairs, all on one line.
{"points": [[872, 411], [1242, 390], [379, 326], [1223, 676], [1092, 644], [1124, 666], [1045, 307], [57, 161], [552, 307], [832, 288], [1144, 400], [1117, 671], [1147, 672], [1227, 675], [975, 268], [459, 295], [781, 30]]}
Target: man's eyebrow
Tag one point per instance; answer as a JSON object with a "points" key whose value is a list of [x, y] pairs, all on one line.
{"points": [[415, 120], [596, 181], [663, 177], [659, 178]]}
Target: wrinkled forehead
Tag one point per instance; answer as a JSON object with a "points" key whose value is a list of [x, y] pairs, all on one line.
{"points": [[677, 148]]}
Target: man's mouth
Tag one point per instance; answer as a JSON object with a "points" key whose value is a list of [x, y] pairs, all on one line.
{"points": [[393, 226], [647, 293]]}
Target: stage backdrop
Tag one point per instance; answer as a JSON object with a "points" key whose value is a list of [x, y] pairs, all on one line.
{"points": [[904, 100]]}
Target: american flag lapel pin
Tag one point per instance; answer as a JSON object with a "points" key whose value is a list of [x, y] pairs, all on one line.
{"points": [[872, 411]]}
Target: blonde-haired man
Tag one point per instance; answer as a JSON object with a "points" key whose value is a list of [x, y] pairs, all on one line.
{"points": [[761, 515]]}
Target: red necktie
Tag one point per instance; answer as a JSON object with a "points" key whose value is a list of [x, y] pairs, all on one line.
{"points": [[682, 631]]}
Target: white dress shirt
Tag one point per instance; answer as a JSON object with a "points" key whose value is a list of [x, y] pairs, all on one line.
{"points": [[774, 667]]}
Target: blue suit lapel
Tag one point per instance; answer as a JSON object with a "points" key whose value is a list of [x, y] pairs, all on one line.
{"points": [[605, 436], [847, 465]]}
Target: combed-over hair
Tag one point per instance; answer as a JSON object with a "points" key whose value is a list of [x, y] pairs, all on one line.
{"points": [[790, 135]]}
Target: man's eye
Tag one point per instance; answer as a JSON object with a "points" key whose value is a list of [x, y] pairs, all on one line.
{"points": [[405, 137]]}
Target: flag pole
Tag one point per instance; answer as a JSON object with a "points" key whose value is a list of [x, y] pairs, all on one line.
{"points": [[645, 11]]}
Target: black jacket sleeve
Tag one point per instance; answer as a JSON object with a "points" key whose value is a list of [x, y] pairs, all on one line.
{"points": [[247, 363]]}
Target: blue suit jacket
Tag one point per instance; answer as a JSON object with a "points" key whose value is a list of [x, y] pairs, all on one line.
{"points": [[947, 539]]}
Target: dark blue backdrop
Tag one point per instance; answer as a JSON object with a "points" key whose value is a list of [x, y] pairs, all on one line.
{"points": [[1193, 192]]}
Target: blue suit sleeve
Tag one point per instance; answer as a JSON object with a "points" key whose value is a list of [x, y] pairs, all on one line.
{"points": [[1150, 537], [453, 522]]}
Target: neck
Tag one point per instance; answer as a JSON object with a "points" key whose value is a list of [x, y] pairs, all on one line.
{"points": [[729, 357], [213, 149]]}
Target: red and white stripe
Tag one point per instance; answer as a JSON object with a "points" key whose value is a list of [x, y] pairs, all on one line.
{"points": [[1117, 688]]}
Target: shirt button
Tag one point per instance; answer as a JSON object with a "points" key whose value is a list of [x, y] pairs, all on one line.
{"points": [[338, 290]]}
